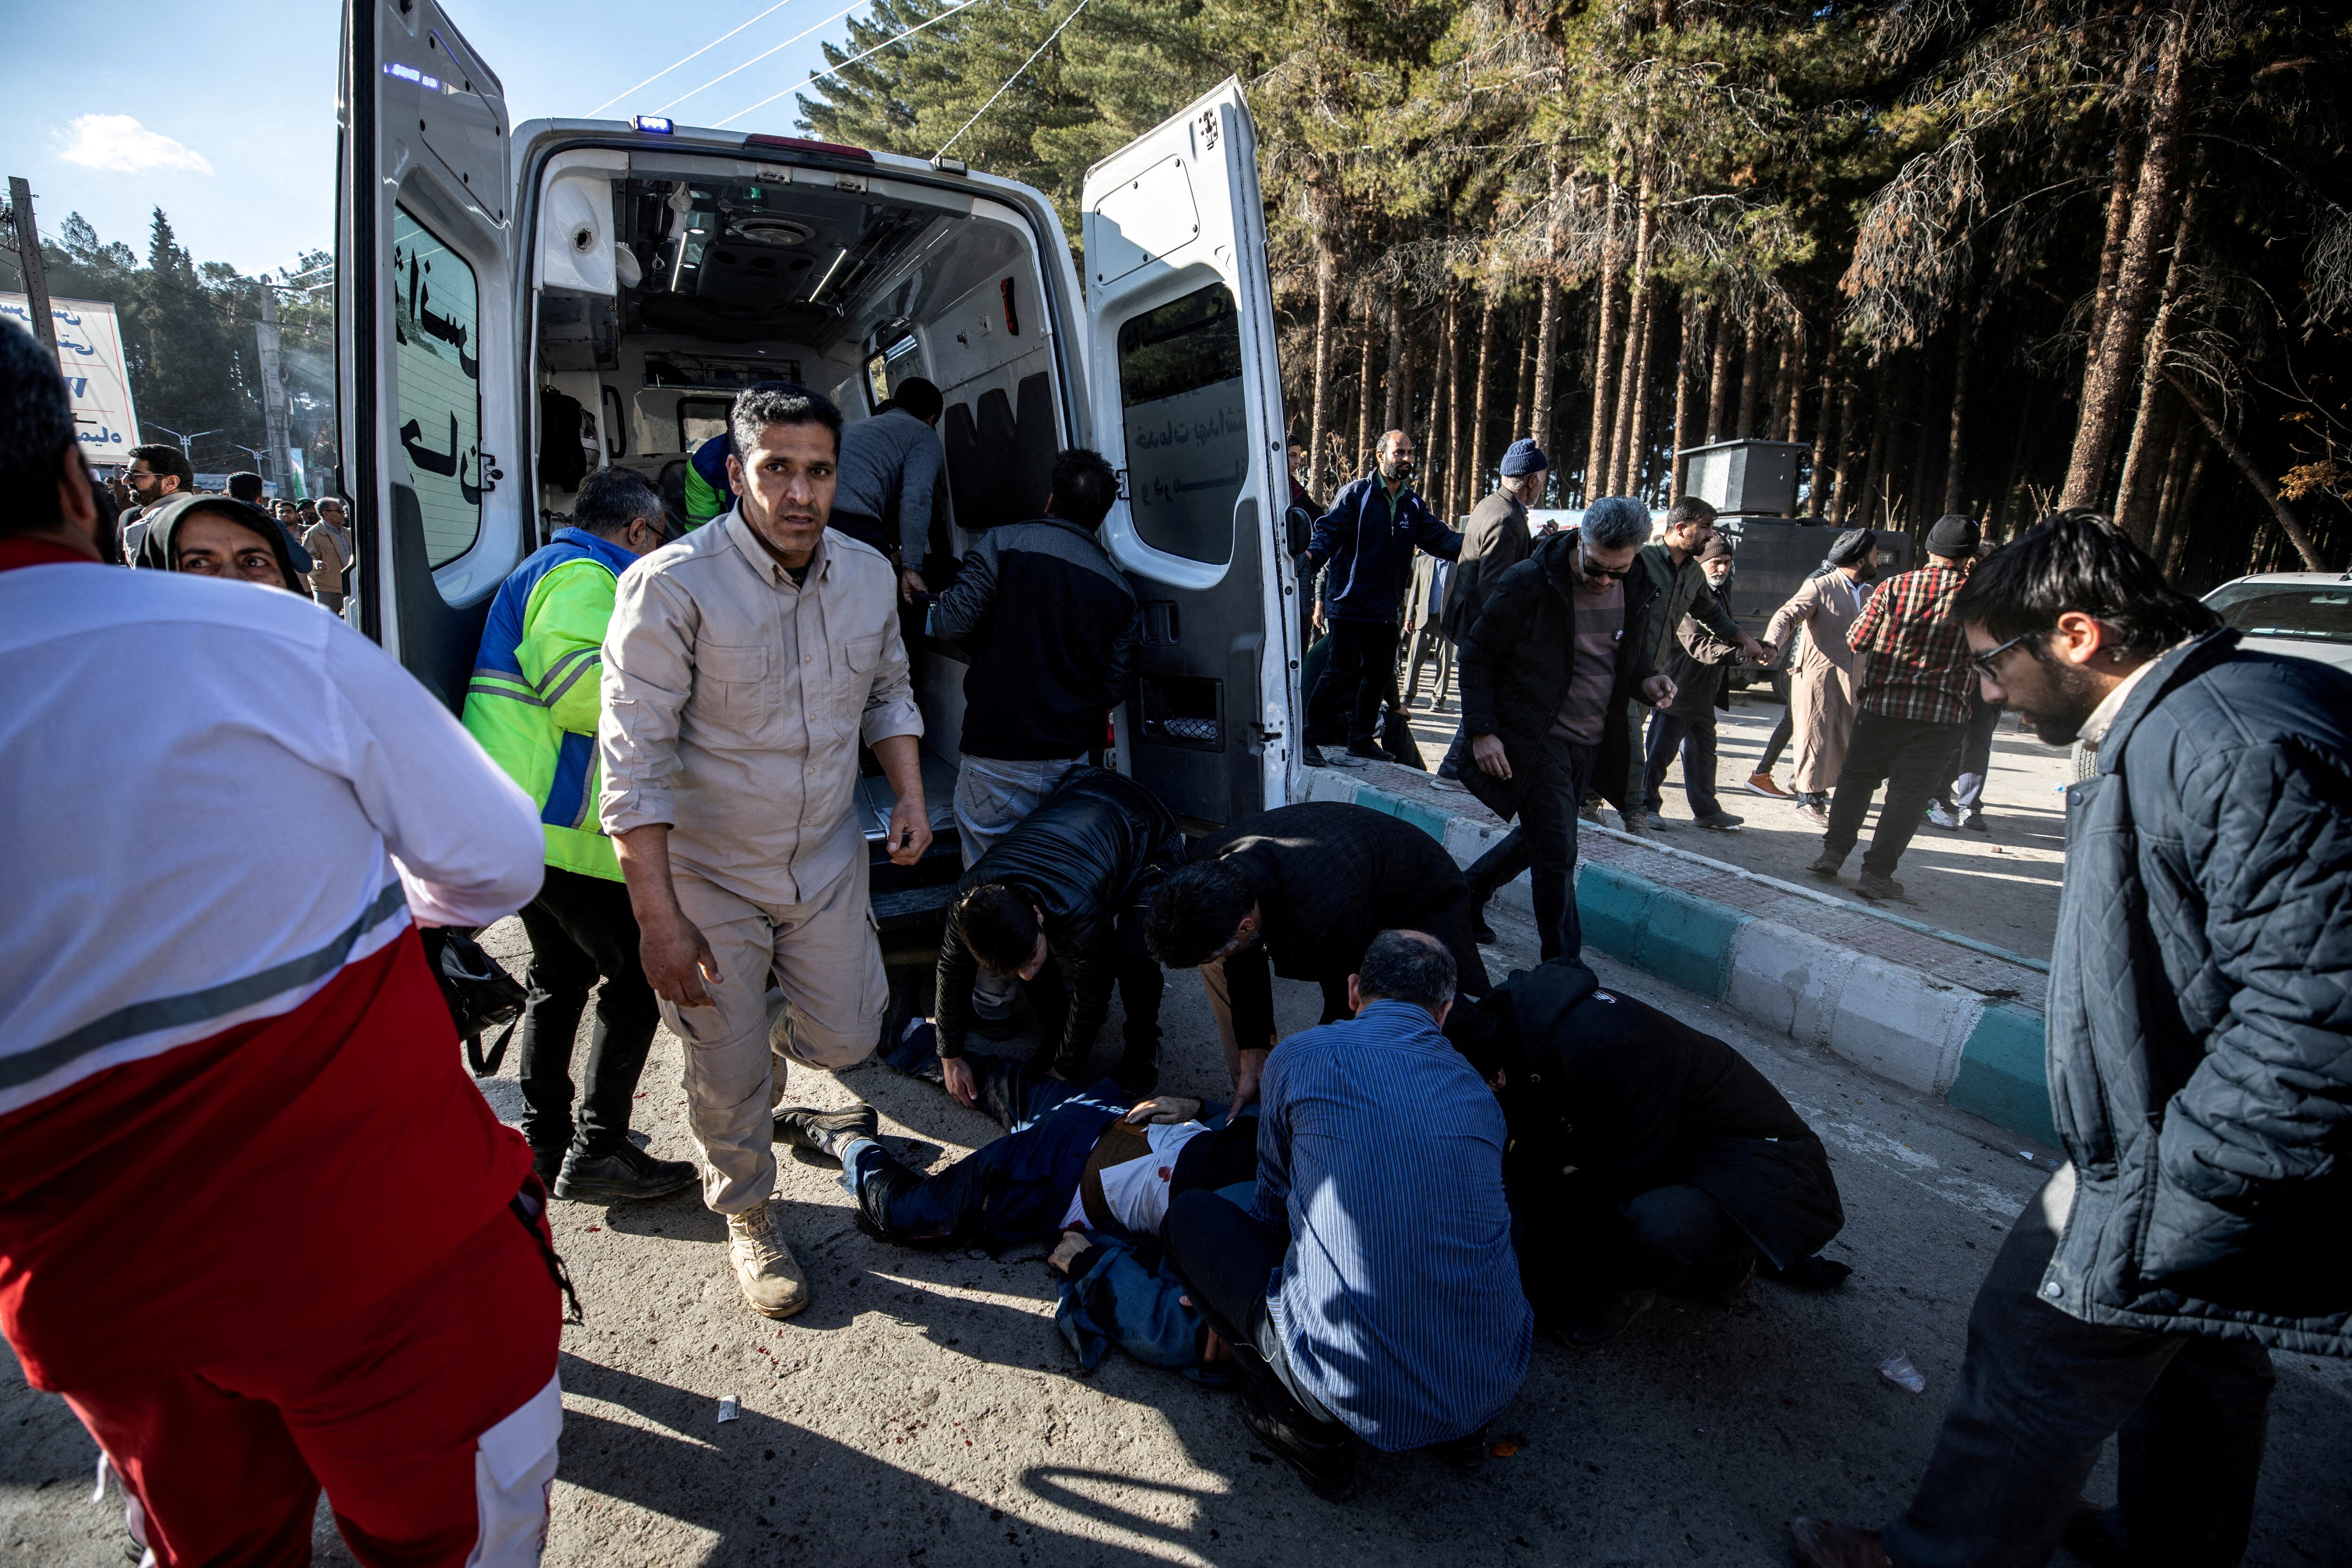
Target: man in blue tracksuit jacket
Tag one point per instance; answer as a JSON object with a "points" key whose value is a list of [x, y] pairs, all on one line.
{"points": [[1369, 537]]}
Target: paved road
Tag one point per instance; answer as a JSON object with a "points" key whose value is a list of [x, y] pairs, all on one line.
{"points": [[924, 1411], [1999, 886]]}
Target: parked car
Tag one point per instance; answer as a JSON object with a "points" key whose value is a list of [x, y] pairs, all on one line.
{"points": [[2305, 612]]}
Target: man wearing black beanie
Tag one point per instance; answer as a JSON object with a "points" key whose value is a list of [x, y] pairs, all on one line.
{"points": [[1911, 700]]}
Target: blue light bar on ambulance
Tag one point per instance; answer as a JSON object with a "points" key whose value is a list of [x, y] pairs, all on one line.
{"points": [[410, 73], [653, 124]]}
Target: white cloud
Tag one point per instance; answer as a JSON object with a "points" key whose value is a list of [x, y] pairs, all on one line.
{"points": [[120, 146]]}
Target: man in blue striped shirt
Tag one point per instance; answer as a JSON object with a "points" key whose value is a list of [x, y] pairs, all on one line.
{"points": [[1372, 1293]]}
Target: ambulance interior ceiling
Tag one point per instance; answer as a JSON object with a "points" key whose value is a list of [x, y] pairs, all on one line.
{"points": [[740, 279]]}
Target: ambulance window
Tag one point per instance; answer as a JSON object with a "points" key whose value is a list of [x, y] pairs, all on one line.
{"points": [[700, 418], [1179, 386], [438, 363]]}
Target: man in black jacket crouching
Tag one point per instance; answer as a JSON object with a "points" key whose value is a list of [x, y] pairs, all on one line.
{"points": [[2198, 1078], [1645, 1155], [1058, 905]]}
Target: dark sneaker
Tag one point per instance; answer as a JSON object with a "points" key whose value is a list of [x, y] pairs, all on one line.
{"points": [[1481, 933], [1463, 1454], [547, 1164], [1369, 754], [1874, 886], [1827, 865], [628, 1174], [1312, 756], [1328, 1467], [805, 1127], [1604, 1322], [1975, 823], [1723, 822]]}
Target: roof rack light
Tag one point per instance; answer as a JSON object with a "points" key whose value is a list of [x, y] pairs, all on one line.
{"points": [[947, 165], [653, 124]]}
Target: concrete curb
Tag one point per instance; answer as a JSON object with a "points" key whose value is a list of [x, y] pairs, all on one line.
{"points": [[1976, 1049]]}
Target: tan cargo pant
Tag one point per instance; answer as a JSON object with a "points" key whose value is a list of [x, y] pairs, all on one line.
{"points": [[828, 963]]}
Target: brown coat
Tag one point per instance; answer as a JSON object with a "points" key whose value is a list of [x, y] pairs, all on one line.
{"points": [[1494, 539], [1821, 681]]}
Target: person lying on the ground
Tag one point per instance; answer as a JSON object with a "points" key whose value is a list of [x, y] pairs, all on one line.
{"points": [[1369, 1292], [1645, 1155], [213, 536], [1300, 891], [1071, 1158], [1058, 903]]}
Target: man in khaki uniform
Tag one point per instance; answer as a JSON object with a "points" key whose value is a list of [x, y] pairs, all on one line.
{"points": [[743, 665]]}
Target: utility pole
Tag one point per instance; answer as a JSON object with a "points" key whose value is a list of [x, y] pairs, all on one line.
{"points": [[188, 443], [273, 390], [29, 253]]}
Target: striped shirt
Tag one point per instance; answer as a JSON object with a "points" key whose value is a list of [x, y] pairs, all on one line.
{"points": [[1399, 1301], [1915, 661]]}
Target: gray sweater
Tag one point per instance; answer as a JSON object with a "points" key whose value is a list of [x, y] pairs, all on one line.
{"points": [[892, 455]]}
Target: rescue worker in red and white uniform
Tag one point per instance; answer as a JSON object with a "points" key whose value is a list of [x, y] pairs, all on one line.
{"points": [[256, 1225]]}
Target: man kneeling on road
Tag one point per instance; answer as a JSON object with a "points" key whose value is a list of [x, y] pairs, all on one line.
{"points": [[743, 665], [1370, 1292], [533, 704], [1645, 1155], [1301, 891], [1058, 904]]}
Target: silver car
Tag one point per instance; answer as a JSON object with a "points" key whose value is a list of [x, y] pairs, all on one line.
{"points": [[2305, 612]]}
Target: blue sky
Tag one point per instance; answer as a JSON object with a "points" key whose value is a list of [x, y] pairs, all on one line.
{"points": [[224, 113]]}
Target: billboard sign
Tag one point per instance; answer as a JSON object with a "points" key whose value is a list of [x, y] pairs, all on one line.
{"points": [[90, 353]]}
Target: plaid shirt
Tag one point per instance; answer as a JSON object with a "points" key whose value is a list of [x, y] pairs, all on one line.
{"points": [[1915, 657]]}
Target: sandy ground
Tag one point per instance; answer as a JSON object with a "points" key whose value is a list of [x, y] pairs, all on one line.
{"points": [[1999, 887], [925, 1412]]}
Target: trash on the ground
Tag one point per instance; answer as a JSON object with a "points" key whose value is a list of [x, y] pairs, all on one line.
{"points": [[728, 1410], [1898, 1371], [2026, 1155], [1502, 1447]]}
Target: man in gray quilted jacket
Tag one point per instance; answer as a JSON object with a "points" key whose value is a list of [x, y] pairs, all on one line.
{"points": [[2200, 1079]]}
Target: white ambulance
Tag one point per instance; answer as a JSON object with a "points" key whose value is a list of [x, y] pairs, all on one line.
{"points": [[517, 305]]}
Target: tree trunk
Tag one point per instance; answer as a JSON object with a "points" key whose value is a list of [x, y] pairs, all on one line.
{"points": [[1873, 468], [1923, 450], [2261, 481], [1633, 377], [1784, 382], [1588, 376], [1792, 410], [1547, 327], [1366, 393], [1845, 448], [2136, 492], [1957, 429], [2184, 520], [1718, 381], [1522, 413], [1597, 464], [1479, 456], [2155, 203], [1443, 394], [1751, 367], [1822, 420], [1396, 400], [2119, 205], [1327, 324], [1637, 424], [1685, 386]]}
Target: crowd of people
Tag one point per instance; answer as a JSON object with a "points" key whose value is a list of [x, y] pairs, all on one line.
{"points": [[222, 1050]]}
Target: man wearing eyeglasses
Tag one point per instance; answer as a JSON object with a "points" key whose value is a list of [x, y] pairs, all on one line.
{"points": [[533, 704], [1551, 662], [1911, 702], [2197, 1074], [1678, 591]]}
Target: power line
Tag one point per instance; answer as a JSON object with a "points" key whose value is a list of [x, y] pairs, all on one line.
{"points": [[706, 48], [1016, 75], [755, 60], [820, 76]]}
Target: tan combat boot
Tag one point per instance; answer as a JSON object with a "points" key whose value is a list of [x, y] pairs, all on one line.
{"points": [[764, 1265]]}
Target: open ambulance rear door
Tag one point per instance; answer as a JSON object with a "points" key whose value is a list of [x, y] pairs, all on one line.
{"points": [[1188, 406], [428, 350]]}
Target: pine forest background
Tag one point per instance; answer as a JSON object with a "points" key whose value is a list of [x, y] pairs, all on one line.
{"points": [[1979, 257]]}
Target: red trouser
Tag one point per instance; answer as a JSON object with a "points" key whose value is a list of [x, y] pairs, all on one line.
{"points": [[384, 1409]]}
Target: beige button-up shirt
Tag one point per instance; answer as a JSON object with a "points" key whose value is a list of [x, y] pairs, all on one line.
{"points": [[734, 700]]}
